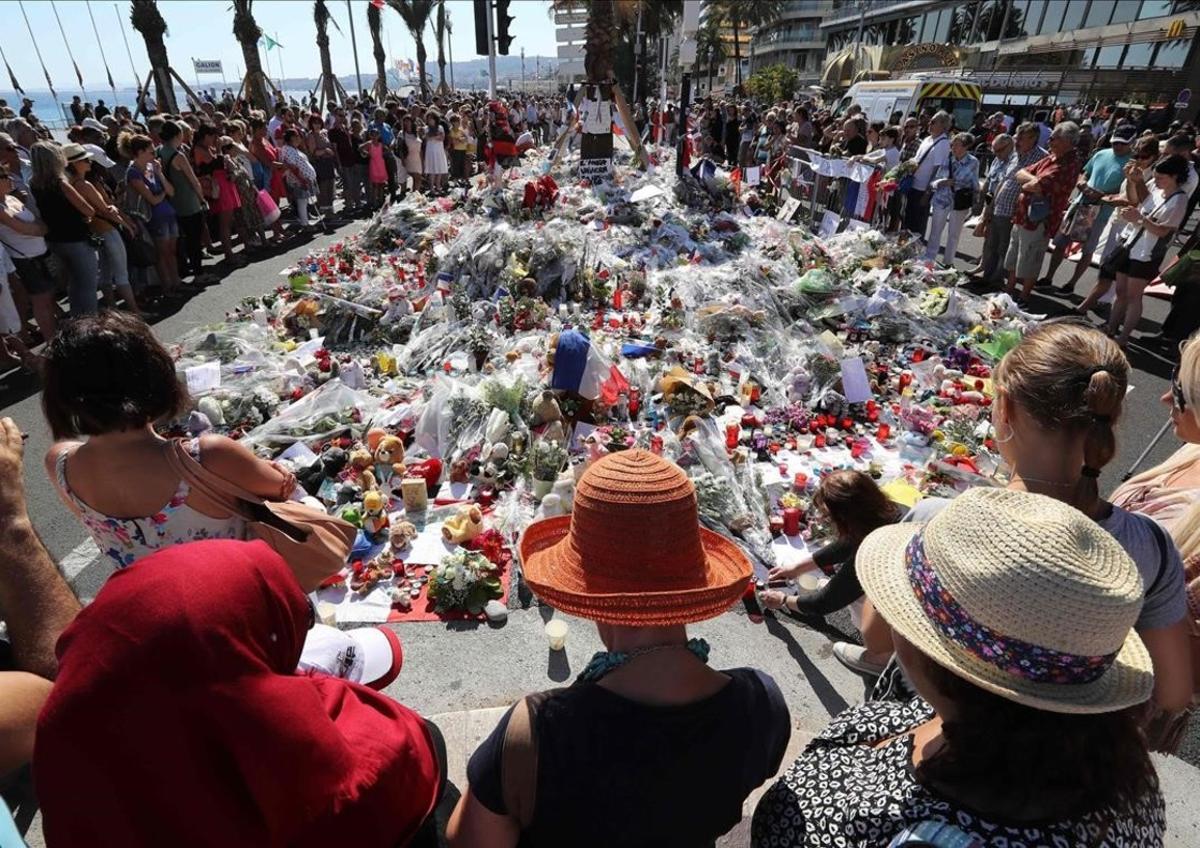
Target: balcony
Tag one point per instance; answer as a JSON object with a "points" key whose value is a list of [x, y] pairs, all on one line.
{"points": [[763, 47]]}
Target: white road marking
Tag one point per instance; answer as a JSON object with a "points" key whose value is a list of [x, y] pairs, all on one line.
{"points": [[84, 554]]}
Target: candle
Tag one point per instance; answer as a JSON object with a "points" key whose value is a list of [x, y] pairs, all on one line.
{"points": [[883, 432], [800, 481], [791, 521], [732, 433]]}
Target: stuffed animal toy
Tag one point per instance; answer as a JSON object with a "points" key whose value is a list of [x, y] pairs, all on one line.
{"points": [[374, 436], [361, 461], [389, 458], [401, 535], [329, 465], [374, 519], [464, 526], [460, 471], [546, 408]]}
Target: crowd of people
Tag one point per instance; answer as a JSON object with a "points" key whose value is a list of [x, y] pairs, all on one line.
{"points": [[1030, 645], [994, 716], [127, 210]]}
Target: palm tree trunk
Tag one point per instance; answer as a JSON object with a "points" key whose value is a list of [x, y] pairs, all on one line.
{"points": [[737, 54], [146, 19], [422, 55], [599, 38], [375, 24], [321, 16], [441, 40], [248, 33]]}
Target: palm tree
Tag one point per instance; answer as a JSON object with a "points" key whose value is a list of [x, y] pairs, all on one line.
{"points": [[248, 33], [440, 29], [710, 48], [416, 16], [750, 13], [375, 25], [147, 20], [321, 19]]}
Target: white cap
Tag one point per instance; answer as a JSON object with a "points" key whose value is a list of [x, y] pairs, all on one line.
{"points": [[93, 124], [371, 656], [98, 155]]}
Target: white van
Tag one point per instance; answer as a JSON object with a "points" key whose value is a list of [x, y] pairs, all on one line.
{"points": [[882, 99]]}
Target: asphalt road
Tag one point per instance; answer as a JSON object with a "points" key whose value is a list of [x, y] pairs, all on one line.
{"points": [[460, 666]]}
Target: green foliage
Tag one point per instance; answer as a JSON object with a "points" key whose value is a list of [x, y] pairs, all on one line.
{"points": [[772, 84]]}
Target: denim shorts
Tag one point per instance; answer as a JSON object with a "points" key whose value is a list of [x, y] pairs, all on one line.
{"points": [[164, 228], [37, 275]]}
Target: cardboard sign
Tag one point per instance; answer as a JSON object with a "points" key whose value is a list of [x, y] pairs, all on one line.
{"points": [[595, 170], [789, 209], [830, 222]]}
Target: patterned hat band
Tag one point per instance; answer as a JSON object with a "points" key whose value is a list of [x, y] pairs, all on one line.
{"points": [[1009, 655]]}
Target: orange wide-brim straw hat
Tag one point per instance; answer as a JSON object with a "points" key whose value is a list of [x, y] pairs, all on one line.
{"points": [[632, 552]]}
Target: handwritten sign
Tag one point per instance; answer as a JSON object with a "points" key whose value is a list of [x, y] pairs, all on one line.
{"points": [[829, 224], [789, 209], [595, 170]]}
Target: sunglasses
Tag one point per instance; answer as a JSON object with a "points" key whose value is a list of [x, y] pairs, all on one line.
{"points": [[1177, 398]]}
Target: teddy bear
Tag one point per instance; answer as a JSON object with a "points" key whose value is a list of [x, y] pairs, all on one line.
{"points": [[374, 516], [389, 458], [401, 535], [362, 462], [464, 526]]}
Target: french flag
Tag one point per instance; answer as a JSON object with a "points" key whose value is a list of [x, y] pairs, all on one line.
{"points": [[579, 367], [860, 197]]}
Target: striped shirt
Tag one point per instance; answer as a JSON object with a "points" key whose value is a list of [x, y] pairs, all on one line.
{"points": [[1005, 203]]}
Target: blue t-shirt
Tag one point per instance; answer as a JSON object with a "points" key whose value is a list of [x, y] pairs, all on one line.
{"points": [[162, 211], [1105, 171]]}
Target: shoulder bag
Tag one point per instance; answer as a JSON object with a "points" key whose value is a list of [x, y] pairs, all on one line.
{"points": [[906, 182], [314, 544], [964, 198]]}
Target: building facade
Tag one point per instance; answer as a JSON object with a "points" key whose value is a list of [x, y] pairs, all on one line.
{"points": [[725, 74], [1024, 52], [795, 39]]}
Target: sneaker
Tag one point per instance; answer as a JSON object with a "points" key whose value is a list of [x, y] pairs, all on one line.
{"points": [[1044, 283], [854, 657], [371, 656]]}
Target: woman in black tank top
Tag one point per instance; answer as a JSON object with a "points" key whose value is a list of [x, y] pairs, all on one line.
{"points": [[66, 216]]}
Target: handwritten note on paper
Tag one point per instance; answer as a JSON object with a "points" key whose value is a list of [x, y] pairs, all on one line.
{"points": [[788, 209], [854, 225], [855, 385], [203, 378], [753, 175]]}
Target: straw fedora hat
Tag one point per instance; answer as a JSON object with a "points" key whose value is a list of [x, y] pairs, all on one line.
{"points": [[632, 552], [1018, 593]]}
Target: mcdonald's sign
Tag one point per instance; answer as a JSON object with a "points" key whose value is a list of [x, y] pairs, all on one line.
{"points": [[1176, 28]]}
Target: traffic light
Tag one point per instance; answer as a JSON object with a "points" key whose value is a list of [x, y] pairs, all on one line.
{"points": [[503, 22], [482, 10]]}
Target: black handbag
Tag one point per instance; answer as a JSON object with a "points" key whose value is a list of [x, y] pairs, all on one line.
{"points": [[964, 198], [139, 250]]}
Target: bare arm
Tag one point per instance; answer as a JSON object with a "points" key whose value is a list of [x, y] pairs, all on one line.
{"points": [[34, 598], [103, 208], [76, 199], [474, 825], [144, 191], [234, 461], [183, 166], [1170, 649], [25, 228], [22, 696]]}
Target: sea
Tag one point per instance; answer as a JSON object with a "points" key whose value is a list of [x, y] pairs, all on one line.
{"points": [[56, 114]]}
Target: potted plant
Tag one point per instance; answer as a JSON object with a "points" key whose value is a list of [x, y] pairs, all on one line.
{"points": [[548, 459]]}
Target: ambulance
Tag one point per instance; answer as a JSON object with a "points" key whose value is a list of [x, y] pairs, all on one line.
{"points": [[881, 100]]}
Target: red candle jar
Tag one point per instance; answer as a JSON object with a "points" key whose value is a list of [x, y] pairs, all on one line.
{"points": [[755, 393], [791, 521], [656, 445], [776, 524], [732, 433], [872, 415], [819, 440], [872, 405], [883, 432], [800, 482], [905, 379], [749, 420], [847, 423], [857, 449]]}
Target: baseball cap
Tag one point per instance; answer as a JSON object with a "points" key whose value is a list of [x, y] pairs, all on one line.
{"points": [[93, 124], [98, 155], [371, 656], [1123, 134]]}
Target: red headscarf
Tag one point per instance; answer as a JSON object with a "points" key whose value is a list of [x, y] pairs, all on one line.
{"points": [[177, 719]]}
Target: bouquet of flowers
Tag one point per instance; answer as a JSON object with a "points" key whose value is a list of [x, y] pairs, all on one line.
{"points": [[548, 459], [463, 582]]}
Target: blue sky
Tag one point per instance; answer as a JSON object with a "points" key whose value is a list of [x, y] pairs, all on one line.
{"points": [[202, 29]]}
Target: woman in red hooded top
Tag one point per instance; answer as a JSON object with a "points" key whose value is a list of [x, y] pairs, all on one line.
{"points": [[177, 719]]}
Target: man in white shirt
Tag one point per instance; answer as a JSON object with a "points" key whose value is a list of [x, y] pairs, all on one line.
{"points": [[933, 153]]}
